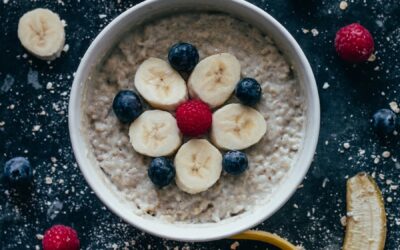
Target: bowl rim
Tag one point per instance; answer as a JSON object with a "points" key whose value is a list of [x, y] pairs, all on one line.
{"points": [[188, 233]]}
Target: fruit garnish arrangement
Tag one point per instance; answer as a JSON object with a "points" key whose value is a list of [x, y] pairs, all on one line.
{"points": [[192, 112]]}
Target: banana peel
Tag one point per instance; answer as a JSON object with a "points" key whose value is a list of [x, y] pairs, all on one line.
{"points": [[266, 237], [366, 217]]}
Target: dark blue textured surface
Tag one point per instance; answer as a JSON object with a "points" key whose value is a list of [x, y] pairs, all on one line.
{"points": [[33, 123]]}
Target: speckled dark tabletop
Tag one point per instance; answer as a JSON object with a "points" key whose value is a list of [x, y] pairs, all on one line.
{"points": [[33, 123]]}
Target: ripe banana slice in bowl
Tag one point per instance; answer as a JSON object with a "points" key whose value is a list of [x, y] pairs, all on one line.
{"points": [[214, 78], [42, 33], [160, 85], [155, 133], [198, 166], [236, 126], [366, 217]]}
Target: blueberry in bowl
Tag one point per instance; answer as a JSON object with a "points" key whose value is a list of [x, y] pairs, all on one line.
{"points": [[127, 106], [235, 162], [183, 57], [248, 91], [161, 171]]}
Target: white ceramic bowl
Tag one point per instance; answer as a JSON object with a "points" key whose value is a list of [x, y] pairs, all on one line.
{"points": [[152, 9]]}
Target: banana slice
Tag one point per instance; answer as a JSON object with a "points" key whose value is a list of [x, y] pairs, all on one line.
{"points": [[198, 166], [236, 126], [160, 84], [366, 217], [155, 133], [214, 79], [42, 33]]}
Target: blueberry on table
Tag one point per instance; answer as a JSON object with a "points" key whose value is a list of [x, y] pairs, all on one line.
{"points": [[183, 57], [248, 91], [384, 121], [127, 106], [18, 171], [235, 162], [161, 171]]}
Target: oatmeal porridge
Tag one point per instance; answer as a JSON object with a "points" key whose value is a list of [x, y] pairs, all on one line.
{"points": [[282, 106]]}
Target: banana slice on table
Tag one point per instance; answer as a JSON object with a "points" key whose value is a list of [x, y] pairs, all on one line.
{"points": [[42, 33], [198, 166], [236, 126], [366, 217], [155, 133], [160, 84], [213, 80]]}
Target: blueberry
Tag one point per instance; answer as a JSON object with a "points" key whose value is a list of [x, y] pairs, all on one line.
{"points": [[248, 91], [18, 171], [161, 171], [183, 57], [384, 121], [235, 162], [127, 106]]}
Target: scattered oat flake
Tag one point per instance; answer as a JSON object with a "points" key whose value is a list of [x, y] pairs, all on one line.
{"points": [[394, 106], [326, 85], [39, 236], [343, 221], [346, 145], [382, 176], [101, 16], [295, 206], [376, 160], [386, 154], [48, 180], [49, 85], [2, 124], [389, 199], [343, 5], [372, 58], [36, 128], [234, 245], [66, 48], [305, 31], [314, 32], [394, 187]]}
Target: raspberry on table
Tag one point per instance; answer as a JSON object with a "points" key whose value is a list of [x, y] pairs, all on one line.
{"points": [[194, 118], [354, 43], [60, 237]]}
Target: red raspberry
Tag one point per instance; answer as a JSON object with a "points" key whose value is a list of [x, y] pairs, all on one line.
{"points": [[354, 43], [193, 117], [60, 237]]}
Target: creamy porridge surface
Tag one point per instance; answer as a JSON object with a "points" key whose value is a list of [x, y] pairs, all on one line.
{"points": [[282, 105]]}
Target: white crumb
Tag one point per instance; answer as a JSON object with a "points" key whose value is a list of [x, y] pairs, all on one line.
{"points": [[36, 128], [372, 58], [314, 32], [66, 48], [343, 221], [101, 16], [305, 31], [386, 154], [326, 85], [346, 145], [48, 180], [39, 236], [394, 106], [234, 245], [343, 5]]}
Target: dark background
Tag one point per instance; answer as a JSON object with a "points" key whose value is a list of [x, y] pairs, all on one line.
{"points": [[312, 215]]}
